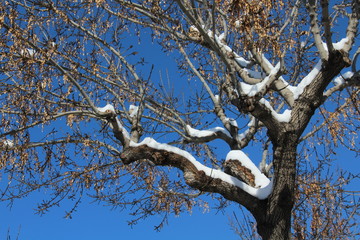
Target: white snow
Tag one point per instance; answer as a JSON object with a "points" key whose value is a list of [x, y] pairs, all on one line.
{"points": [[205, 133], [111, 108], [240, 60], [232, 121], [260, 179], [341, 79], [281, 117], [252, 90], [123, 130], [28, 52], [108, 107], [133, 110], [340, 45], [260, 193], [222, 36], [8, 143], [299, 89], [193, 29]]}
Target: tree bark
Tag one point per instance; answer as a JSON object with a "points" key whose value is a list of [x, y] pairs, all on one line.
{"points": [[275, 220]]}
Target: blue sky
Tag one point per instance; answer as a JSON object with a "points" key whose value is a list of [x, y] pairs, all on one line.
{"points": [[93, 221]]}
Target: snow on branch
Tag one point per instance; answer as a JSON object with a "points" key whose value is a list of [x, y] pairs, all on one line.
{"points": [[280, 117], [262, 191], [7, 144], [133, 110], [119, 131], [299, 89], [221, 42], [107, 109], [252, 90], [341, 79], [206, 133]]}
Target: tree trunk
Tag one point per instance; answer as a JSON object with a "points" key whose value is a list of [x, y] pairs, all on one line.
{"points": [[275, 221]]}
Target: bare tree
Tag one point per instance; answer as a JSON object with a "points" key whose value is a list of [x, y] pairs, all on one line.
{"points": [[257, 72]]}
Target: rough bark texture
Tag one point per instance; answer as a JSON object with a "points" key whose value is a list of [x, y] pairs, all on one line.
{"points": [[193, 177], [276, 223]]}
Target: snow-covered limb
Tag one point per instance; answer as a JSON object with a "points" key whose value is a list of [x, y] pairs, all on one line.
{"points": [[299, 89], [252, 90], [341, 79], [280, 117], [205, 133], [279, 83], [208, 134], [107, 109], [240, 60], [232, 122], [341, 82], [119, 131], [192, 168]]}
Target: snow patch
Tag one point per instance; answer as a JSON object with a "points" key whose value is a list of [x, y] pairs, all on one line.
{"points": [[107, 108], [280, 117], [110, 108], [232, 122], [340, 45], [252, 90], [8, 143], [242, 61], [306, 80], [341, 79], [133, 110], [205, 133]]}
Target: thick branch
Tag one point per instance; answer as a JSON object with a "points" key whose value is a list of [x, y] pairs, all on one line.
{"points": [[196, 175]]}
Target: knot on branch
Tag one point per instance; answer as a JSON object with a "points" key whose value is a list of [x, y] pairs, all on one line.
{"points": [[107, 112], [196, 36], [133, 154], [247, 104]]}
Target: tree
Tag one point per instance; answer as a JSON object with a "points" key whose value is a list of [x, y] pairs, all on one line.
{"points": [[267, 65]]}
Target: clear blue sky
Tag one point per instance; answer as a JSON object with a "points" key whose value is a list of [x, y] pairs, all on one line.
{"points": [[92, 222]]}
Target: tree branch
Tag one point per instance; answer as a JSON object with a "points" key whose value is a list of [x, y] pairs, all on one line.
{"points": [[196, 175]]}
